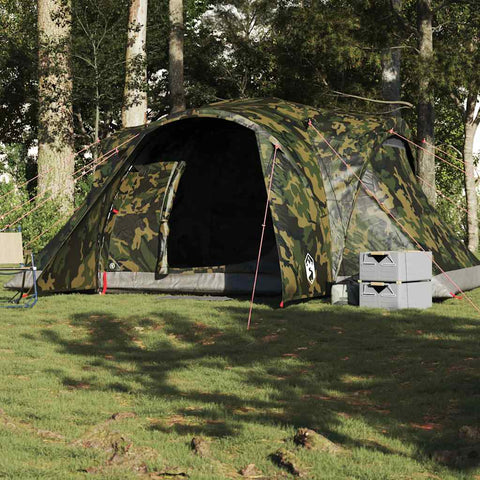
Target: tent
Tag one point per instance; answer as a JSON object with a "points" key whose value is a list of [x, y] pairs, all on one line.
{"points": [[180, 206]]}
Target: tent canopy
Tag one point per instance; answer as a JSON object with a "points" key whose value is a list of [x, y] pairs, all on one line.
{"points": [[180, 206]]}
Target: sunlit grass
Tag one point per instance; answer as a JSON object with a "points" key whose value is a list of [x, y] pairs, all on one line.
{"points": [[391, 388]]}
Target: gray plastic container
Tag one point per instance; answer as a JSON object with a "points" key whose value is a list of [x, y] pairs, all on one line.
{"points": [[345, 293], [393, 296], [403, 266]]}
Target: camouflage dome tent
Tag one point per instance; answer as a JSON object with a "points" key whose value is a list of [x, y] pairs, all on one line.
{"points": [[180, 207]]}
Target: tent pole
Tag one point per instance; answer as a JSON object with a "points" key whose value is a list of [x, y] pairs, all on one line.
{"points": [[262, 236]]}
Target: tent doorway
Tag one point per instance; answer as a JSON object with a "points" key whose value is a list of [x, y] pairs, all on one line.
{"points": [[188, 214], [219, 205]]}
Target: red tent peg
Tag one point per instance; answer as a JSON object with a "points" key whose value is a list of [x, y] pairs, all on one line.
{"points": [[456, 296], [104, 289]]}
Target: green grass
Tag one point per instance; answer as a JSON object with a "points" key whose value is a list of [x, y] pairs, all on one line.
{"points": [[390, 388]]}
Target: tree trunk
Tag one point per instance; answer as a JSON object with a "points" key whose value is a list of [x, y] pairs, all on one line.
{"points": [[55, 118], [177, 91], [96, 130], [391, 74], [391, 60], [471, 124], [134, 110], [425, 165], [97, 106]]}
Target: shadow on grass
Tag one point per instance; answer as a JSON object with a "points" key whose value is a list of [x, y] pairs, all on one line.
{"points": [[409, 375]]}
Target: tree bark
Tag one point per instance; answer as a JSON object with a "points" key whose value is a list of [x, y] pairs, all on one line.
{"points": [[55, 118], [134, 111], [97, 105], [177, 90], [471, 124], [391, 62], [391, 58], [425, 164]]}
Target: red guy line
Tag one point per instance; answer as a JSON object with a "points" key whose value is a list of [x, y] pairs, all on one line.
{"points": [[262, 236], [442, 194], [89, 167], [51, 169], [26, 214], [455, 157], [115, 150], [425, 150], [388, 212], [30, 200], [49, 228]]}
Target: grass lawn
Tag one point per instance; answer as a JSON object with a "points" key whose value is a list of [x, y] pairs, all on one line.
{"points": [[116, 387]]}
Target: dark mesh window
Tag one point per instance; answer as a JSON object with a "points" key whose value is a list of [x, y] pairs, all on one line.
{"points": [[402, 148]]}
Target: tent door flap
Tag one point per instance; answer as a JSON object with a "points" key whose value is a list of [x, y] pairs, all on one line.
{"points": [[168, 199]]}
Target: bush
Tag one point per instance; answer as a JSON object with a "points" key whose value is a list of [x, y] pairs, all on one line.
{"points": [[38, 224]]}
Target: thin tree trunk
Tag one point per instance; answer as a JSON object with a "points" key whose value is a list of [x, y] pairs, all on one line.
{"points": [[97, 107], [134, 110], [97, 130], [391, 58], [55, 119], [425, 110], [471, 124], [391, 62], [177, 91]]}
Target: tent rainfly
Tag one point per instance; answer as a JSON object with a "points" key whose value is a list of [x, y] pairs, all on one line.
{"points": [[180, 207]]}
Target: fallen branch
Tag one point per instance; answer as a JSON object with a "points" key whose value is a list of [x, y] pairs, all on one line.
{"points": [[395, 102]]}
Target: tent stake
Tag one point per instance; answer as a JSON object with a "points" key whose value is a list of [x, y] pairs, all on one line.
{"points": [[262, 236]]}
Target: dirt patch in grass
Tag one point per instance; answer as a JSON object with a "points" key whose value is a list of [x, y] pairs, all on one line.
{"points": [[22, 425]]}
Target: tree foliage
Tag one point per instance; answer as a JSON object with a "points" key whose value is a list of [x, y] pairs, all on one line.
{"points": [[301, 50], [99, 26], [18, 64]]}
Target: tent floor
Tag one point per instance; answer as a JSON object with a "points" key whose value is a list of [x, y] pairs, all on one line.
{"points": [[204, 283], [241, 283], [197, 283], [204, 298]]}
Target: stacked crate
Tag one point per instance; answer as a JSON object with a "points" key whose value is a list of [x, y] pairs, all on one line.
{"points": [[395, 280]]}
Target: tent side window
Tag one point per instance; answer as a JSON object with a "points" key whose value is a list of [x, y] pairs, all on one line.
{"points": [[402, 149]]}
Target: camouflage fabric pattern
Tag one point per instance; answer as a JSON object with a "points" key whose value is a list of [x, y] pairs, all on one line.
{"points": [[414, 225], [131, 236], [353, 139], [173, 183], [70, 260], [318, 207]]}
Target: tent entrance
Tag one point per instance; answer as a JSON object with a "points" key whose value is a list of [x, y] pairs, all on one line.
{"points": [[188, 215], [218, 209]]}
